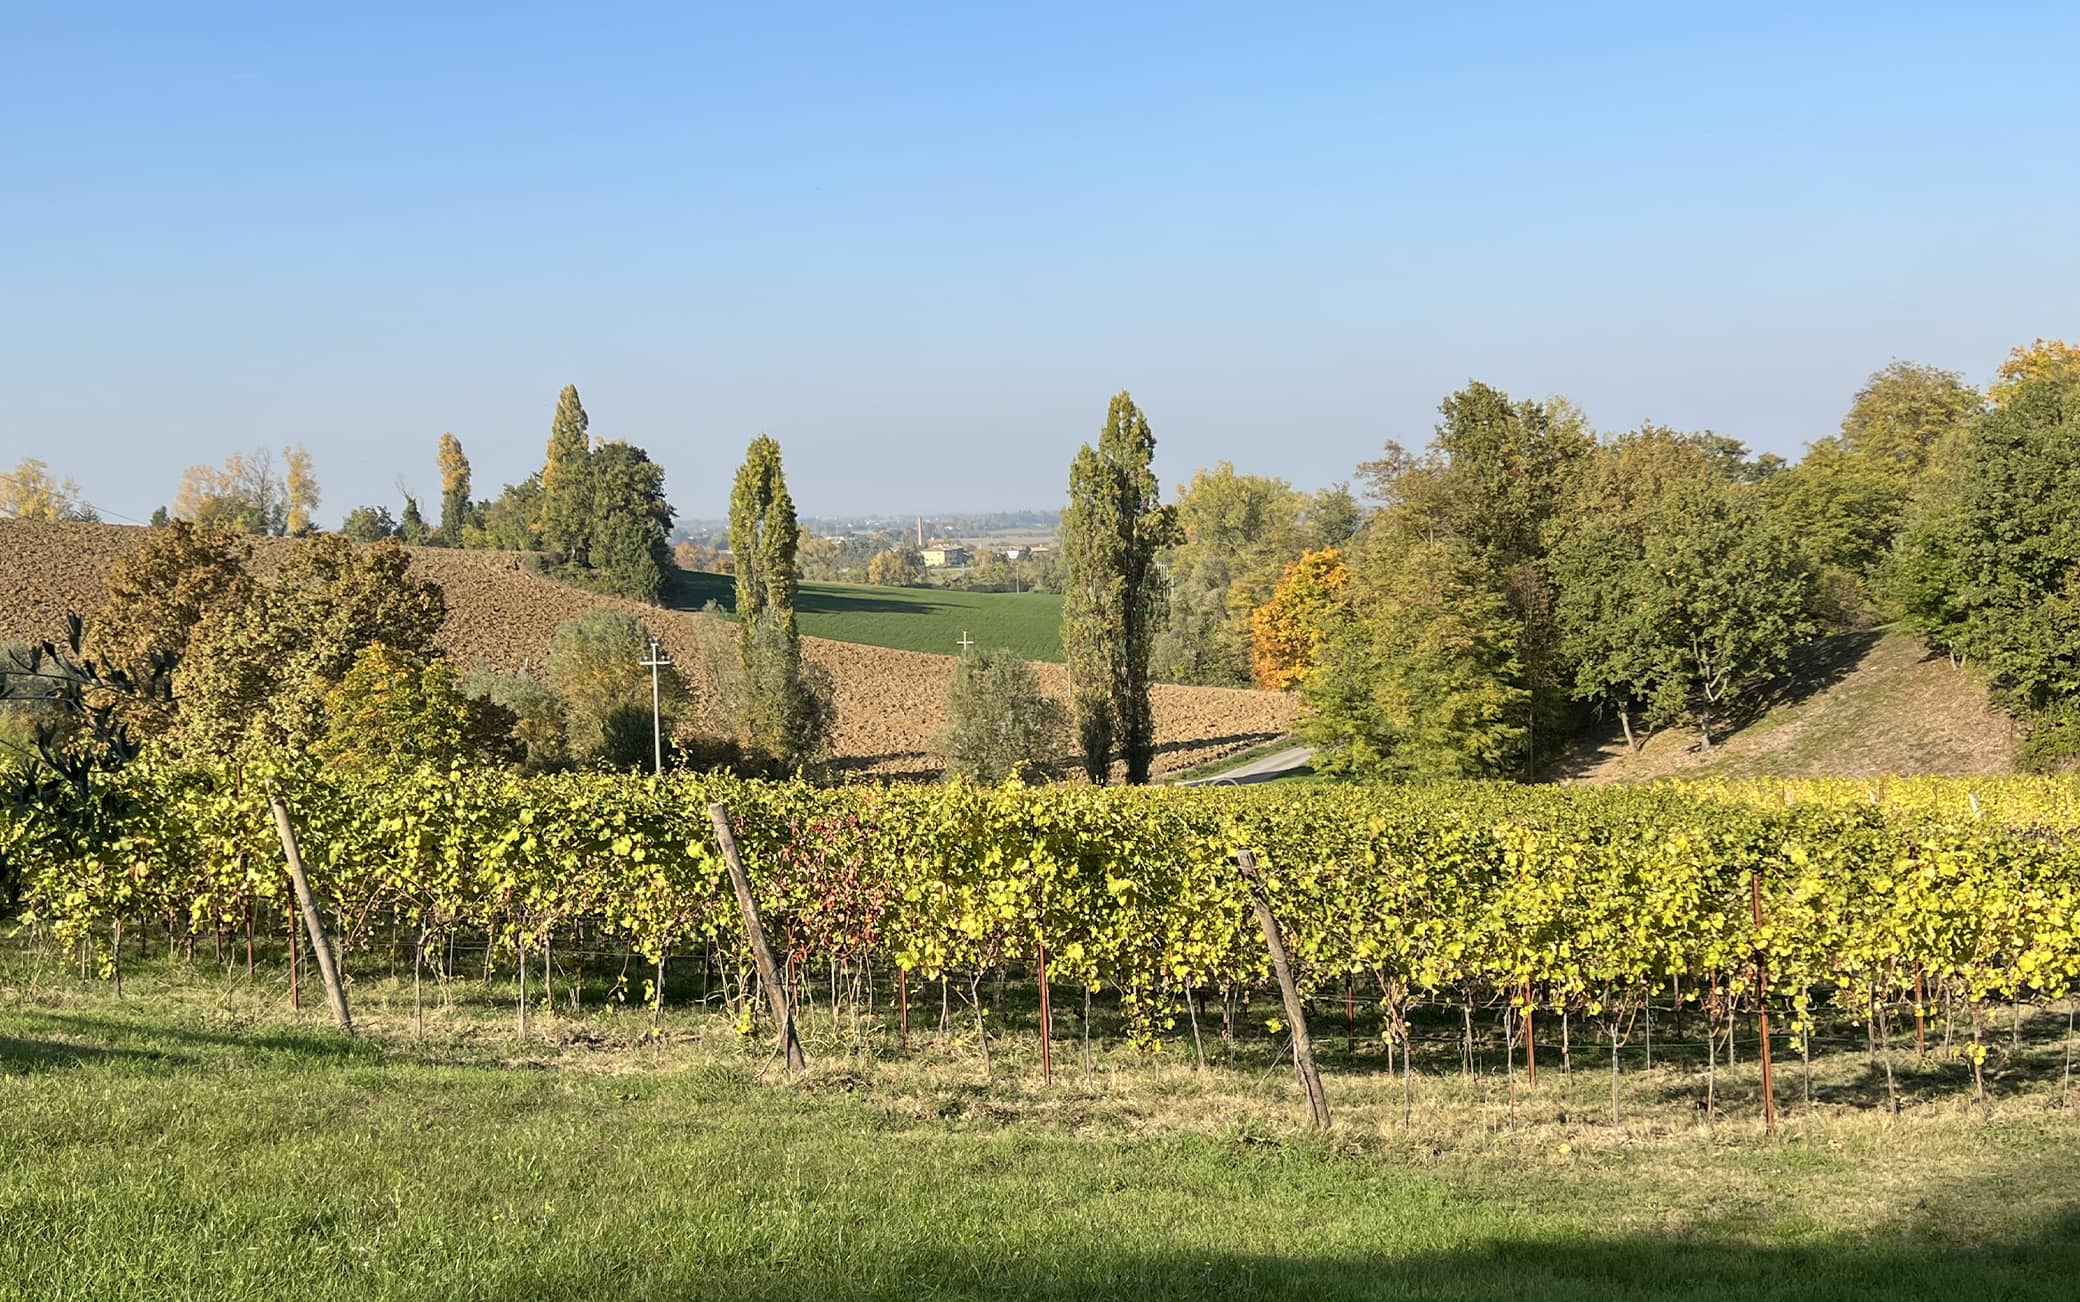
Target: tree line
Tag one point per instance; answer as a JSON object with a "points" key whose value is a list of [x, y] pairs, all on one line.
{"points": [[1477, 606], [334, 654]]}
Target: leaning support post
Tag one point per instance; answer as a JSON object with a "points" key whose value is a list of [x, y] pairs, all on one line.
{"points": [[1296, 1012], [1769, 1092], [321, 945], [1046, 1023], [755, 932]]}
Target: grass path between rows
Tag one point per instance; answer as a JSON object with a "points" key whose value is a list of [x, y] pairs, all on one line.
{"points": [[157, 1146]]}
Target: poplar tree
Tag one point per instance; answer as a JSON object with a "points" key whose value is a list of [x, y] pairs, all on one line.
{"points": [[781, 717], [566, 493], [454, 468], [1113, 600]]}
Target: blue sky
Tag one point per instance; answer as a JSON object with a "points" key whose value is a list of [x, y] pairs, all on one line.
{"points": [[923, 247]]}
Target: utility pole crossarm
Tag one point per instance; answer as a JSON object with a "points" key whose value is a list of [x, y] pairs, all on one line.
{"points": [[655, 661]]}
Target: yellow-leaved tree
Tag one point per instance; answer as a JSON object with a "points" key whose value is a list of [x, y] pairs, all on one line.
{"points": [[1287, 632], [2030, 362]]}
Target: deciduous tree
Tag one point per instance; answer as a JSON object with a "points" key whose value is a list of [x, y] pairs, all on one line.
{"points": [[1111, 532], [258, 672], [455, 506], [1289, 631], [28, 492], [2044, 359], [299, 490], [394, 709], [1422, 680], [782, 715], [565, 505], [178, 578], [895, 567]]}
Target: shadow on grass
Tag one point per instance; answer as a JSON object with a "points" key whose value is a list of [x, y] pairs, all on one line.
{"points": [[685, 591], [22, 1057], [1892, 1264], [118, 1037], [1811, 670]]}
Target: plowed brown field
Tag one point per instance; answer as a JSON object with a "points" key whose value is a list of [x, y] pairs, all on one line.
{"points": [[890, 703]]}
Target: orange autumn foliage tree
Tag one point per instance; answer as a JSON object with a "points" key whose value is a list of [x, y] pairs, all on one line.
{"points": [[1287, 632]]}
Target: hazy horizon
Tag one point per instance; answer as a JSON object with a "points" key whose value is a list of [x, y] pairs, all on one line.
{"points": [[922, 250]]}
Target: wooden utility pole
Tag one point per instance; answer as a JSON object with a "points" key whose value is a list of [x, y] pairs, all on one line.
{"points": [[655, 661], [755, 932], [321, 945], [1296, 1012]]}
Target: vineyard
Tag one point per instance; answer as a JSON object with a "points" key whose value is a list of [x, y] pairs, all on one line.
{"points": [[1557, 918]]}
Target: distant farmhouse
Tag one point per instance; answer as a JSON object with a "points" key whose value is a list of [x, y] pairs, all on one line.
{"points": [[944, 556]]}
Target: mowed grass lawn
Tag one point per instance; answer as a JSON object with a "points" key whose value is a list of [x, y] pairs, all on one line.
{"points": [[1029, 624], [194, 1140]]}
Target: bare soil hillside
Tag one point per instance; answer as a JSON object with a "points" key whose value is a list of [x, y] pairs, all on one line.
{"points": [[1855, 704], [890, 703]]}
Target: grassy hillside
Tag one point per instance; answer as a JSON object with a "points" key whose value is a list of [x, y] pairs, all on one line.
{"points": [[908, 619], [1856, 704]]}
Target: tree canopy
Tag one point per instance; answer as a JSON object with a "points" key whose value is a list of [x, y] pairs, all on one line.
{"points": [[1113, 596]]}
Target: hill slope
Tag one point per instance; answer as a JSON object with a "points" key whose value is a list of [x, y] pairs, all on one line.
{"points": [[890, 702], [1856, 704]]}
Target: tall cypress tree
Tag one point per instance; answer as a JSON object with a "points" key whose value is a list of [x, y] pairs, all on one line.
{"points": [[566, 504], [1113, 601]]}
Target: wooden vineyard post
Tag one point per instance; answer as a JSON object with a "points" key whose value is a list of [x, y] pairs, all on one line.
{"points": [[903, 1002], [1296, 1012], [321, 946], [755, 932], [1046, 1024], [1530, 1044], [1769, 1092], [1920, 1018]]}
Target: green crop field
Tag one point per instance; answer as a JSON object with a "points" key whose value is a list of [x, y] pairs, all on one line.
{"points": [[908, 619]]}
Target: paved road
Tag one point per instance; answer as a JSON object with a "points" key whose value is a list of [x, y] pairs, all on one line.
{"points": [[1261, 769]]}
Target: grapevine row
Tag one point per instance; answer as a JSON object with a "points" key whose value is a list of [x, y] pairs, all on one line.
{"points": [[1587, 900]]}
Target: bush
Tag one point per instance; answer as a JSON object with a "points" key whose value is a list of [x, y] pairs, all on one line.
{"points": [[395, 708], [1000, 721], [627, 741], [538, 727], [2052, 744], [595, 668], [785, 708]]}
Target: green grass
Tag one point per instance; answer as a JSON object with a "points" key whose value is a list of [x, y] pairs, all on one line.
{"points": [[1028, 624], [196, 1139]]}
